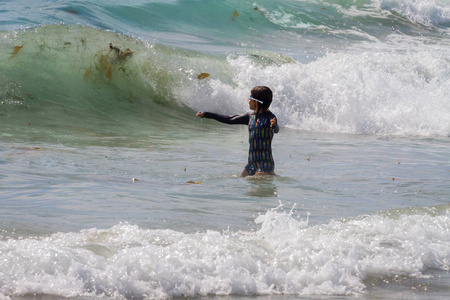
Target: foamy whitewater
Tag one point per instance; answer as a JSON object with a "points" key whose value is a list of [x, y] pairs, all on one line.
{"points": [[111, 187]]}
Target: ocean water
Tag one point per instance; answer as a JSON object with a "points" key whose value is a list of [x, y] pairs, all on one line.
{"points": [[111, 187]]}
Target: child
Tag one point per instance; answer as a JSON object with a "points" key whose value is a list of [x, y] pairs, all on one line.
{"points": [[262, 124]]}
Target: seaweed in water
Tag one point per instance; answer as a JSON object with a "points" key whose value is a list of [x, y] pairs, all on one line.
{"points": [[190, 181], [109, 73], [203, 75], [16, 51], [87, 73], [235, 15], [121, 55], [108, 62]]}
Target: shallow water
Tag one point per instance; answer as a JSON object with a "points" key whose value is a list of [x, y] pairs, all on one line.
{"points": [[376, 206], [329, 176], [111, 187]]}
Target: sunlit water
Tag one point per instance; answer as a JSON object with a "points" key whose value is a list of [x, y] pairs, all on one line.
{"points": [[111, 187]]}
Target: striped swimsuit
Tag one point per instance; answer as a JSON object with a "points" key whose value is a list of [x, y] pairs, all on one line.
{"points": [[260, 157]]}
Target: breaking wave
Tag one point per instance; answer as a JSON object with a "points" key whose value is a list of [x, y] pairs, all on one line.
{"points": [[284, 255]]}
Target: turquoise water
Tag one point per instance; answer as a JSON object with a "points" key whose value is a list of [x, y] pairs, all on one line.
{"points": [[111, 187]]}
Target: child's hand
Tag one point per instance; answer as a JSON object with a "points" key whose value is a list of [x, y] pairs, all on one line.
{"points": [[200, 114], [273, 122]]}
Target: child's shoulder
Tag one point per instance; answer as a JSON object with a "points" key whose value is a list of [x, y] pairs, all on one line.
{"points": [[270, 114]]}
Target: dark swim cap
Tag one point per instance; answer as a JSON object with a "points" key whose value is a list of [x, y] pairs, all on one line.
{"points": [[264, 94]]}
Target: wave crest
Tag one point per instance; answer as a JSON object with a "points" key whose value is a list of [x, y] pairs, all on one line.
{"points": [[285, 256], [425, 12]]}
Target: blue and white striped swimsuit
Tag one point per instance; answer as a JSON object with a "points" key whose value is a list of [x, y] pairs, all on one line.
{"points": [[260, 157]]}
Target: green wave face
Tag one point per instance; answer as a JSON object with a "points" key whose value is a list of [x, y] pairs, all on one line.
{"points": [[61, 76]]}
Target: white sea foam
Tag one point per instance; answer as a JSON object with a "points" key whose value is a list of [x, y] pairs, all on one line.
{"points": [[425, 12], [284, 256], [383, 93], [282, 18]]}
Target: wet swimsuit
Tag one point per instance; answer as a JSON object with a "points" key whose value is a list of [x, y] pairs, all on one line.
{"points": [[260, 138]]}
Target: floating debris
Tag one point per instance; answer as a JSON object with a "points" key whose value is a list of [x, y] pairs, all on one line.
{"points": [[124, 71], [109, 73], [203, 75], [190, 181], [111, 62], [87, 73], [121, 54], [235, 14], [135, 179], [15, 98], [16, 51], [259, 10]]}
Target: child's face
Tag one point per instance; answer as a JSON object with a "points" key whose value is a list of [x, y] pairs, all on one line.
{"points": [[252, 104]]}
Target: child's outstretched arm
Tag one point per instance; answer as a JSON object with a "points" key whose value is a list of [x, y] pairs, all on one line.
{"points": [[236, 119]]}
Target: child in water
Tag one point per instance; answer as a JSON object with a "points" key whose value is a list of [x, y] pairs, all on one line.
{"points": [[262, 124]]}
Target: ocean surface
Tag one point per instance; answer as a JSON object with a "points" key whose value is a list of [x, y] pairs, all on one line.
{"points": [[112, 188]]}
